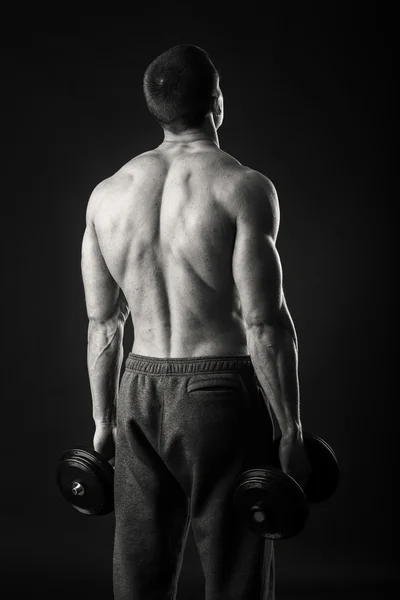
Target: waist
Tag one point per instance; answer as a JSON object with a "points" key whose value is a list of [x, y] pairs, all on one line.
{"points": [[188, 364], [191, 344]]}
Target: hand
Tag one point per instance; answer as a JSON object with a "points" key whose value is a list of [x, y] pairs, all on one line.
{"points": [[104, 440], [293, 458]]}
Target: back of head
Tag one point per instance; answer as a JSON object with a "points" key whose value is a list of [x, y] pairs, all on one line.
{"points": [[180, 87]]}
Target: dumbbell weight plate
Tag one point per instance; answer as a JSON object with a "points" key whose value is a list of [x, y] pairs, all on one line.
{"points": [[86, 481], [324, 478], [271, 503]]}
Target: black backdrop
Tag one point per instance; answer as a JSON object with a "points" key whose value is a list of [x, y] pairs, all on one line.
{"points": [[310, 102]]}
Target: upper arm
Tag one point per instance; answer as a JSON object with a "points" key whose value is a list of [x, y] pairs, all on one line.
{"points": [[104, 299], [257, 270]]}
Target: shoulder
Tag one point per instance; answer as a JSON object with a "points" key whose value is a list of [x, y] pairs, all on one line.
{"points": [[121, 181], [257, 189], [253, 197], [151, 159], [97, 197], [239, 179]]}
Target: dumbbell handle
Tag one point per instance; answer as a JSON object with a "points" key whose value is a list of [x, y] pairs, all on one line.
{"points": [[258, 514], [77, 488]]}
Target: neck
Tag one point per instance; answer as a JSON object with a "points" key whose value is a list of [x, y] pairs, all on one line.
{"points": [[206, 132]]}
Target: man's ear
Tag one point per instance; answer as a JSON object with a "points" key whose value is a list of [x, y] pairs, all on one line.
{"points": [[216, 108]]}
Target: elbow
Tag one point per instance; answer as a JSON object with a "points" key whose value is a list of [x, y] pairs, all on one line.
{"points": [[271, 333], [274, 319], [268, 329], [264, 332], [98, 318], [262, 322], [101, 318], [104, 331], [108, 322]]}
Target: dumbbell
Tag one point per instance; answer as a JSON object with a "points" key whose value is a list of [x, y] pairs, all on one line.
{"points": [[272, 504], [86, 481]]}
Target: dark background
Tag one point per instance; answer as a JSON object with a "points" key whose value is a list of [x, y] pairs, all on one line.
{"points": [[310, 102]]}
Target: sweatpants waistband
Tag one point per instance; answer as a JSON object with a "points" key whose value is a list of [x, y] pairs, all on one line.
{"points": [[188, 365]]}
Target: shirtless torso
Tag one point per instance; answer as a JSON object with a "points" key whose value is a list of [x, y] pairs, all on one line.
{"points": [[165, 225]]}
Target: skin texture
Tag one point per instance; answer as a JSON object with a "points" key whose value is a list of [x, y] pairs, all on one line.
{"points": [[182, 238]]}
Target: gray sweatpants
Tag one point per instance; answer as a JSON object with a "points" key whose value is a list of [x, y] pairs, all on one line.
{"points": [[186, 429]]}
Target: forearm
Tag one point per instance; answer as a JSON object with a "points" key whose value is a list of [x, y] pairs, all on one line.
{"points": [[104, 360], [273, 350]]}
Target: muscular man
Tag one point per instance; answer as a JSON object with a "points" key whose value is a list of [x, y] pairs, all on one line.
{"points": [[183, 237]]}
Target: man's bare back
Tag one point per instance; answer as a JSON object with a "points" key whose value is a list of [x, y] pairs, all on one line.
{"points": [[166, 226]]}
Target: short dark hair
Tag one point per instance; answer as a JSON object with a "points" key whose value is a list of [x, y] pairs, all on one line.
{"points": [[179, 86]]}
